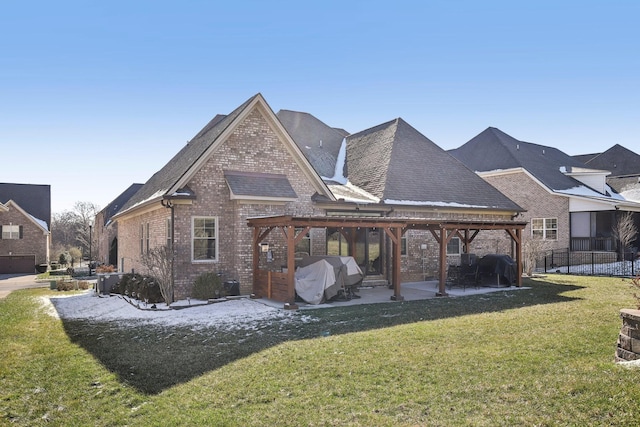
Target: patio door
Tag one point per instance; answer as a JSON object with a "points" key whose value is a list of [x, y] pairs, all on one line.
{"points": [[368, 251]]}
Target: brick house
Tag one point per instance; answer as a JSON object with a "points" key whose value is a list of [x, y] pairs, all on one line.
{"points": [[106, 231], [568, 206], [25, 218], [253, 163], [239, 166], [396, 172], [624, 166]]}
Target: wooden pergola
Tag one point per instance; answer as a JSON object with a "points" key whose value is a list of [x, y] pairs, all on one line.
{"points": [[280, 286]]}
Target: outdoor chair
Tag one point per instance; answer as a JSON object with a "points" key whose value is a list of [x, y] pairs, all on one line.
{"points": [[462, 276]]}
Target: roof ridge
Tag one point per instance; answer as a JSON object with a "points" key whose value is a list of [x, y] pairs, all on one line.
{"points": [[372, 129]]}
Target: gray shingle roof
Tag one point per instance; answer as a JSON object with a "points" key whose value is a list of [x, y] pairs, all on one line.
{"points": [[163, 180], [619, 160], [35, 199], [259, 185], [114, 207], [317, 141], [395, 162], [493, 149]]}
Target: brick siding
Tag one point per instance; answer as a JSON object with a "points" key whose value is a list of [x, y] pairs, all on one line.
{"points": [[33, 242], [538, 202], [252, 147]]}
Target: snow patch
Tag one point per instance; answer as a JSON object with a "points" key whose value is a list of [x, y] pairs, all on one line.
{"points": [[425, 203], [241, 313], [338, 173]]}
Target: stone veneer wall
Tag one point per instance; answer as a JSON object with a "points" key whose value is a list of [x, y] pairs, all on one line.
{"points": [[628, 347]]}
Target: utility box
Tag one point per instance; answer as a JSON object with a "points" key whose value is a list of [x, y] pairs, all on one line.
{"points": [[231, 288], [106, 282]]}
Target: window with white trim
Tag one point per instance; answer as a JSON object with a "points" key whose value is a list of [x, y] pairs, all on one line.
{"points": [[204, 245], [169, 232], [11, 232], [147, 237], [544, 228], [141, 239]]}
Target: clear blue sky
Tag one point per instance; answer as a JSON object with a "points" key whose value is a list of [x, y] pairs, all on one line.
{"points": [[95, 96]]}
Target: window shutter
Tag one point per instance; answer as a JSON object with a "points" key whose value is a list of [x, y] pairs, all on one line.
{"points": [[0, 232], [20, 232]]}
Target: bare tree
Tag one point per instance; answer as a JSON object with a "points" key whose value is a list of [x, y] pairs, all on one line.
{"points": [[158, 262], [85, 214], [71, 228], [533, 249], [624, 231]]}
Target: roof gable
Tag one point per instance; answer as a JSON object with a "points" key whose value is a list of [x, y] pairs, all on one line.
{"points": [[40, 223], [493, 150], [186, 163], [395, 162], [33, 199], [619, 160]]}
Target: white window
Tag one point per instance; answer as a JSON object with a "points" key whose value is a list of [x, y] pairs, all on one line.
{"points": [[147, 237], [169, 232], [544, 228], [11, 232], [204, 240], [454, 246], [141, 238]]}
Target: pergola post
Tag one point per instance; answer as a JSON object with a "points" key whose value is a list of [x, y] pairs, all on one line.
{"points": [[442, 230], [291, 266], [442, 291], [518, 257], [397, 263], [256, 257]]}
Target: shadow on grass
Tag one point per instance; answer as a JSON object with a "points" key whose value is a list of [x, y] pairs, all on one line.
{"points": [[152, 359]]}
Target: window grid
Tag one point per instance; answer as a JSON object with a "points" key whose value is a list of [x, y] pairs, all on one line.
{"points": [[544, 228], [204, 246], [10, 232]]}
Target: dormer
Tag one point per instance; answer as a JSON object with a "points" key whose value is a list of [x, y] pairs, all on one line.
{"points": [[593, 178]]}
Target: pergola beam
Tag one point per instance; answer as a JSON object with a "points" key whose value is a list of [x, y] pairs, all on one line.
{"points": [[442, 231]]}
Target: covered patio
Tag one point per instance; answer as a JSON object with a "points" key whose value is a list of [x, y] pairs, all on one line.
{"points": [[280, 286]]}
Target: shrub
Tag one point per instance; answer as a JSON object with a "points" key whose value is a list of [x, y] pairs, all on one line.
{"points": [[84, 285], [68, 285], [207, 286], [105, 268], [143, 288]]}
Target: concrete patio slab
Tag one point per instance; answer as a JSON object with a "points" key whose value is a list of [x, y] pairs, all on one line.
{"points": [[411, 291]]}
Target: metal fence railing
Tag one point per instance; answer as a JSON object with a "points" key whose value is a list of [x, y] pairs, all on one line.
{"points": [[590, 263]]}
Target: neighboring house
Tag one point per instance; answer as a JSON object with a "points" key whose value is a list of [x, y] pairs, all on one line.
{"points": [[254, 164], [25, 219], [105, 231], [624, 166], [567, 205]]}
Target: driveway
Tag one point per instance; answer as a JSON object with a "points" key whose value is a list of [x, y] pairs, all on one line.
{"points": [[14, 282]]}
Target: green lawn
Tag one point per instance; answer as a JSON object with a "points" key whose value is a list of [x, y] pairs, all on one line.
{"points": [[529, 357]]}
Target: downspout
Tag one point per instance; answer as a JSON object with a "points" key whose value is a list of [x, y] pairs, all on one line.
{"points": [[168, 204]]}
